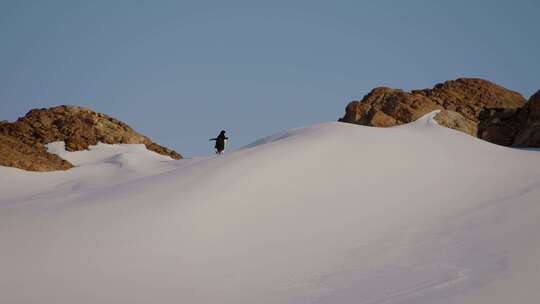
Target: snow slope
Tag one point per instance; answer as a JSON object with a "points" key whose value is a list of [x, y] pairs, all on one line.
{"points": [[332, 213]]}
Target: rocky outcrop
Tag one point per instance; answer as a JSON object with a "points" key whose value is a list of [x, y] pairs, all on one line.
{"points": [[14, 153], [386, 107], [22, 142], [512, 127], [474, 106], [469, 96], [529, 131], [499, 126], [456, 121]]}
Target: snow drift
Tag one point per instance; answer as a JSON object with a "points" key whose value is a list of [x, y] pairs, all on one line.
{"points": [[332, 213]]}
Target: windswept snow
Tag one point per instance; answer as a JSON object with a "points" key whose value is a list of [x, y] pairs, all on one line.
{"points": [[332, 213]]}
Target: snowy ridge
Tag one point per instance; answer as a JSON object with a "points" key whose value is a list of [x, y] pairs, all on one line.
{"points": [[331, 213]]}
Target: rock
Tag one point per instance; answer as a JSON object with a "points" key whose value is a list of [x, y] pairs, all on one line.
{"points": [[512, 127], [498, 126], [456, 121], [529, 117], [469, 96], [14, 153], [388, 107], [78, 127], [380, 119], [463, 101], [529, 137], [465, 96]]}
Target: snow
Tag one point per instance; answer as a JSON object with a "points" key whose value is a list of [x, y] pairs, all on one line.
{"points": [[331, 213]]}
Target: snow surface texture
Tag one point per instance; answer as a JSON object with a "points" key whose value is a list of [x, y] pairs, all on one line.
{"points": [[332, 213]]}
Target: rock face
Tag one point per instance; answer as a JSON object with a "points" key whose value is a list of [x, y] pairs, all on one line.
{"points": [[385, 107], [512, 127], [454, 120], [467, 96], [14, 153], [499, 126], [469, 105], [22, 142], [529, 116]]}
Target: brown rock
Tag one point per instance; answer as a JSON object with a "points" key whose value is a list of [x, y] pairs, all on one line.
{"points": [[498, 126], [78, 127], [529, 137], [14, 153], [389, 106], [512, 127], [380, 119], [466, 96], [456, 121], [462, 100], [529, 117]]}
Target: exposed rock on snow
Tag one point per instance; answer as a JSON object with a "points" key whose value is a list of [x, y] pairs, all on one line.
{"points": [[456, 121], [21, 142], [385, 107], [465, 98], [529, 133], [499, 126], [513, 127], [15, 153]]}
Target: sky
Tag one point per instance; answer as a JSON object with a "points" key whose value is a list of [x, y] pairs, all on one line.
{"points": [[180, 71]]}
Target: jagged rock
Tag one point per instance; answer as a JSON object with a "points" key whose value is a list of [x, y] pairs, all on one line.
{"points": [[456, 121], [387, 107], [466, 96], [529, 133], [498, 126], [14, 153], [469, 96], [474, 106], [380, 119], [512, 127], [78, 127]]}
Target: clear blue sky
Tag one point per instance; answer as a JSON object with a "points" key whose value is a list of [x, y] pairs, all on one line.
{"points": [[180, 71]]}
